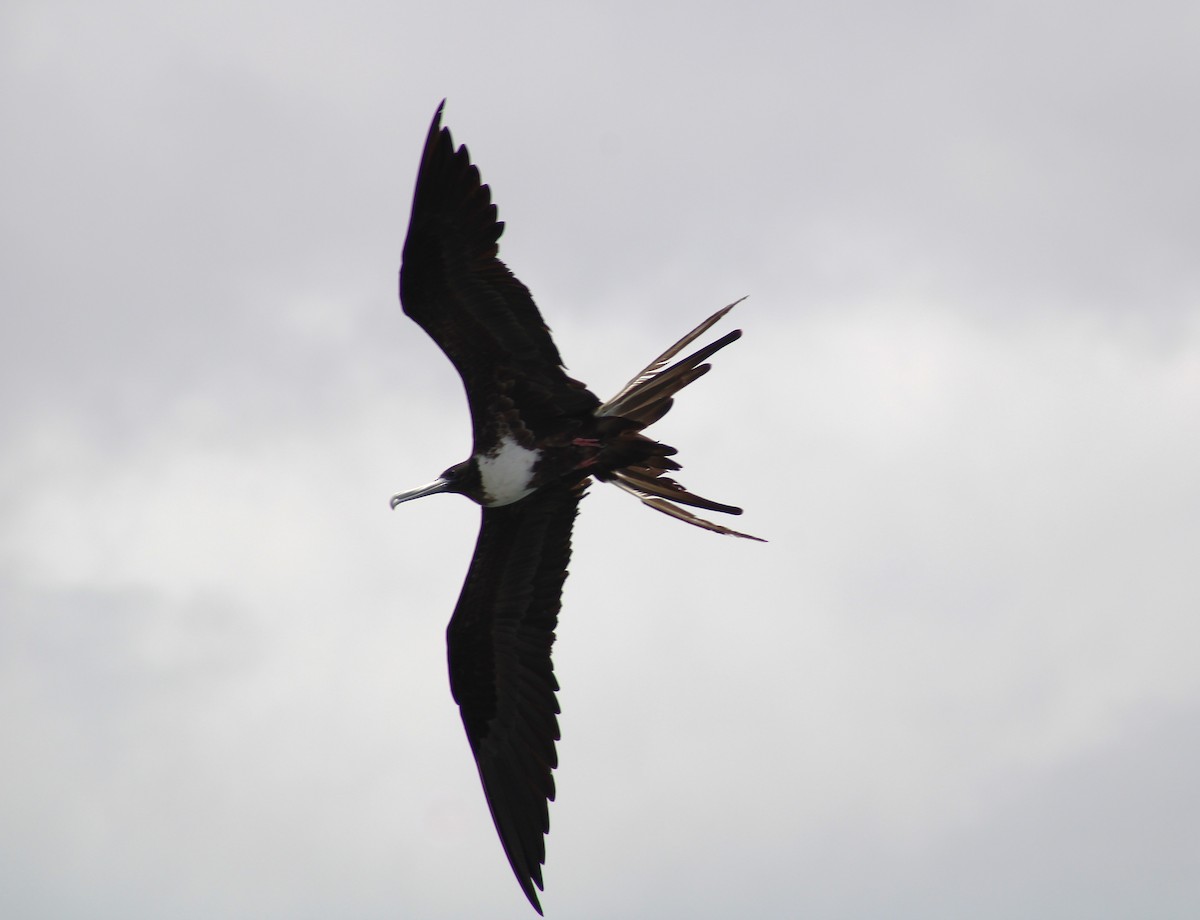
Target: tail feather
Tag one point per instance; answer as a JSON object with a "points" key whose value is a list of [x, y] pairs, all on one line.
{"points": [[651, 482], [646, 399], [664, 384], [653, 398], [682, 514]]}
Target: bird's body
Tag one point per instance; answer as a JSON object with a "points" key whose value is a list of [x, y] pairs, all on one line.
{"points": [[539, 436]]}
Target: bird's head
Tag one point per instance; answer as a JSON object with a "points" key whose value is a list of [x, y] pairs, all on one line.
{"points": [[462, 478]]}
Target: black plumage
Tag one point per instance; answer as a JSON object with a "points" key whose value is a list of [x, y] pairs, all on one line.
{"points": [[539, 436]]}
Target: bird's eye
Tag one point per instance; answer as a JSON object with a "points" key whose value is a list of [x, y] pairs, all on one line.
{"points": [[451, 474]]}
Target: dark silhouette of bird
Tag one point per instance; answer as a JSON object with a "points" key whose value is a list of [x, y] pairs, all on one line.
{"points": [[539, 437]]}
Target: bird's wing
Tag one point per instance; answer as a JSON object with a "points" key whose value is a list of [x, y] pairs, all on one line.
{"points": [[454, 286], [501, 676]]}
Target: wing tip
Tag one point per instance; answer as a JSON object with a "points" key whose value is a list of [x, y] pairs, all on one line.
{"points": [[532, 896], [435, 126]]}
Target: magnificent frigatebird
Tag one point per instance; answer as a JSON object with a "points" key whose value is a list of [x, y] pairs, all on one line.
{"points": [[539, 436]]}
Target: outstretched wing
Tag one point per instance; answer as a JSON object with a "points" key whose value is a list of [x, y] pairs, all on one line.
{"points": [[499, 642], [454, 286]]}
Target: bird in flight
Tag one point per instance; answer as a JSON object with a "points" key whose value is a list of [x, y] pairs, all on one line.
{"points": [[539, 437]]}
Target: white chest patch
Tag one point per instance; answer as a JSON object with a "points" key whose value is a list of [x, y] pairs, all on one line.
{"points": [[505, 474]]}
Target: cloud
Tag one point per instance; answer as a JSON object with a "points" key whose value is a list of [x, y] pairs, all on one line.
{"points": [[963, 413]]}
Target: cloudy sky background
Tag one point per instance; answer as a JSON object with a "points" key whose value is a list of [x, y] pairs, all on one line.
{"points": [[961, 679]]}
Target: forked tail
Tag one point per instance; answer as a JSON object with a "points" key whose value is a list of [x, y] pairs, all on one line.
{"points": [[646, 399]]}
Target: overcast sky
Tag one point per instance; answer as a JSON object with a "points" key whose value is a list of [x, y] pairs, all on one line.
{"points": [[960, 680]]}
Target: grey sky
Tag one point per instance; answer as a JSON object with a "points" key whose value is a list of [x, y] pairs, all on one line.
{"points": [[959, 681]]}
